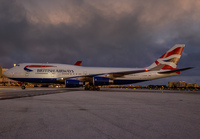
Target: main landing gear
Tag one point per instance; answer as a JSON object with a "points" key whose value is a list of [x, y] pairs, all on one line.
{"points": [[92, 87]]}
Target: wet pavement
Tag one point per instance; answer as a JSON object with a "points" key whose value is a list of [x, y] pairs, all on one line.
{"points": [[110, 113], [17, 92]]}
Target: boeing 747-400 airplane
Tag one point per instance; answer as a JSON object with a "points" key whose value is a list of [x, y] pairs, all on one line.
{"points": [[93, 77]]}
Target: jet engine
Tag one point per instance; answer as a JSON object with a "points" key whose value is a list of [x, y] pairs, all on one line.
{"points": [[102, 81], [73, 83]]}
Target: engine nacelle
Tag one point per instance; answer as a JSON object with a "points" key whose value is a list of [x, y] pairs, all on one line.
{"points": [[73, 83], [102, 81]]}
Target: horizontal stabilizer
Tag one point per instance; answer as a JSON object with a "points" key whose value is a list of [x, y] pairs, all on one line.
{"points": [[172, 71], [159, 67]]}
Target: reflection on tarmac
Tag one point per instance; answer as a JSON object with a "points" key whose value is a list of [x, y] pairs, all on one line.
{"points": [[17, 92], [109, 113]]}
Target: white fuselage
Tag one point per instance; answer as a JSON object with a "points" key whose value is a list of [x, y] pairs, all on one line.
{"points": [[32, 72]]}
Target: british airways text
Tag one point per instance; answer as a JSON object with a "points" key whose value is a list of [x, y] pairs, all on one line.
{"points": [[55, 70]]}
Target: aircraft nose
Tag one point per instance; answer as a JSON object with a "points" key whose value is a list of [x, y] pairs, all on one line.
{"points": [[6, 73]]}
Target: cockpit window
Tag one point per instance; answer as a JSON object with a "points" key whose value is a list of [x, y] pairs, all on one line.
{"points": [[17, 65]]}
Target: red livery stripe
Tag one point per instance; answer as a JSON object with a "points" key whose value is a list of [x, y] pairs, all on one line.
{"points": [[167, 67], [177, 51], [157, 63]]}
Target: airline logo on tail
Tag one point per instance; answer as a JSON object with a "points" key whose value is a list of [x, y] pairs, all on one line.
{"points": [[170, 59]]}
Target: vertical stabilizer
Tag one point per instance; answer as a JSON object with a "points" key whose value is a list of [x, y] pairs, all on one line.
{"points": [[78, 63], [169, 60]]}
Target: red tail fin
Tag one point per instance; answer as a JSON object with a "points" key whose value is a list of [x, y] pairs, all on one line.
{"points": [[78, 63], [170, 59]]}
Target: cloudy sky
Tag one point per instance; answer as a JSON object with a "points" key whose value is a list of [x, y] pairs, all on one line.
{"points": [[114, 33]]}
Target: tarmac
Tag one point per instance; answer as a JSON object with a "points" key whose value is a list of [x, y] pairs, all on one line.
{"points": [[107, 114]]}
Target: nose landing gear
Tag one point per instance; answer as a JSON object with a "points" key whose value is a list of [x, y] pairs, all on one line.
{"points": [[23, 86]]}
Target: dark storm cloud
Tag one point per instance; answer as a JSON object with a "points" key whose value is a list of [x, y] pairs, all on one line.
{"points": [[101, 33]]}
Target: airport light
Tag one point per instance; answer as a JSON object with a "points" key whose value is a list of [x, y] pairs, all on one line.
{"points": [[146, 70]]}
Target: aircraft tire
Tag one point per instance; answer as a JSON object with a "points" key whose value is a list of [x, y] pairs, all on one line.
{"points": [[98, 88], [87, 87], [92, 88], [23, 87]]}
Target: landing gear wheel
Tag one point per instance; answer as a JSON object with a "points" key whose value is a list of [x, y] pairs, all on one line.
{"points": [[98, 88], [87, 87], [95, 88], [92, 88], [23, 87]]}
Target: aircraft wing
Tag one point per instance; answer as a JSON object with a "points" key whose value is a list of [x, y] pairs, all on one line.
{"points": [[120, 74], [110, 75]]}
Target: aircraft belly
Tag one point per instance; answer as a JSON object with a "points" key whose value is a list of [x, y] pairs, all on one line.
{"points": [[37, 80], [130, 79], [119, 82]]}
